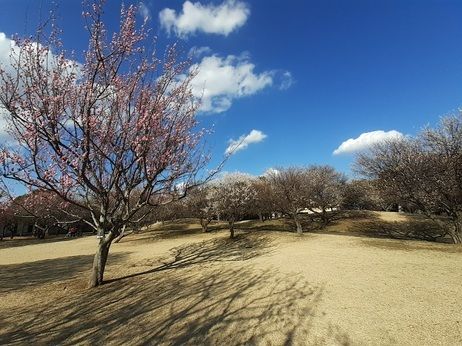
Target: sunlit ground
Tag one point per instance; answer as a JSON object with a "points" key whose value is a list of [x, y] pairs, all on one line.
{"points": [[344, 285]]}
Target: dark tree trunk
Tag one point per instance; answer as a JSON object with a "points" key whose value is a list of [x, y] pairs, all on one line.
{"points": [[99, 261], [231, 229], [205, 225], [324, 218]]}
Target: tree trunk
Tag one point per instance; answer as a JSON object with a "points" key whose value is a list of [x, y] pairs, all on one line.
{"points": [[456, 234], [231, 229], [260, 216], [204, 225], [298, 224], [324, 218], [99, 261]]}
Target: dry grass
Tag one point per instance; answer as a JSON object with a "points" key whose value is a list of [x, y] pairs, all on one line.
{"points": [[173, 285]]}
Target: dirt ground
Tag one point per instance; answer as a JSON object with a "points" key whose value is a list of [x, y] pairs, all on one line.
{"points": [[179, 286]]}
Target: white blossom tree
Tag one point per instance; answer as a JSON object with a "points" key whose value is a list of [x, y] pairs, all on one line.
{"points": [[234, 195], [200, 203]]}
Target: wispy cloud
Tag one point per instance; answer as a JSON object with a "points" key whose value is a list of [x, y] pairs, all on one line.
{"points": [[198, 52], [366, 140], [235, 145], [144, 11], [285, 80]]}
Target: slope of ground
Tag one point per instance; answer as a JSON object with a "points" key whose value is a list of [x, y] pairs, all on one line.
{"points": [[174, 285]]}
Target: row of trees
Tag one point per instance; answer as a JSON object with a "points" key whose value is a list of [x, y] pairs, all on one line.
{"points": [[315, 192], [318, 191], [422, 172]]}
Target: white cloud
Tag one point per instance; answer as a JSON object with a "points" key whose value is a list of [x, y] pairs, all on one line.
{"points": [[7, 46], [9, 53], [255, 136], [211, 19], [221, 80], [7, 49], [366, 140], [4, 136], [144, 11]]}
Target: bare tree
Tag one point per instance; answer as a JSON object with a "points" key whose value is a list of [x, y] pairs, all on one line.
{"points": [[290, 192], [264, 198], [119, 125], [234, 196], [324, 187], [362, 194], [425, 171]]}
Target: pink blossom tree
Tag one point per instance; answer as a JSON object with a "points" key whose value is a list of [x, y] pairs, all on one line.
{"points": [[108, 135], [6, 216]]}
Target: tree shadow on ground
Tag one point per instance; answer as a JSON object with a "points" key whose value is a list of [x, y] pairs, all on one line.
{"points": [[371, 225], [358, 215], [26, 275], [284, 225], [273, 225], [410, 229], [30, 240], [185, 303], [309, 222], [243, 247], [175, 229], [408, 246]]}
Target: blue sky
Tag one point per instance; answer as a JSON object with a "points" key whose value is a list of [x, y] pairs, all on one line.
{"points": [[304, 75]]}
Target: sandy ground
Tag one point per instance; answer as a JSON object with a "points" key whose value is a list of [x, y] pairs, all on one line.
{"points": [[265, 288]]}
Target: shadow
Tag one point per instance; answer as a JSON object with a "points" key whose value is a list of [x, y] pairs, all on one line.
{"points": [[31, 274], [284, 225], [30, 240], [369, 224], [243, 247], [409, 246], [174, 229], [219, 305], [357, 215], [274, 225], [411, 229]]}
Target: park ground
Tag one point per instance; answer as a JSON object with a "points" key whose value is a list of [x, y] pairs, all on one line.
{"points": [[173, 285]]}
